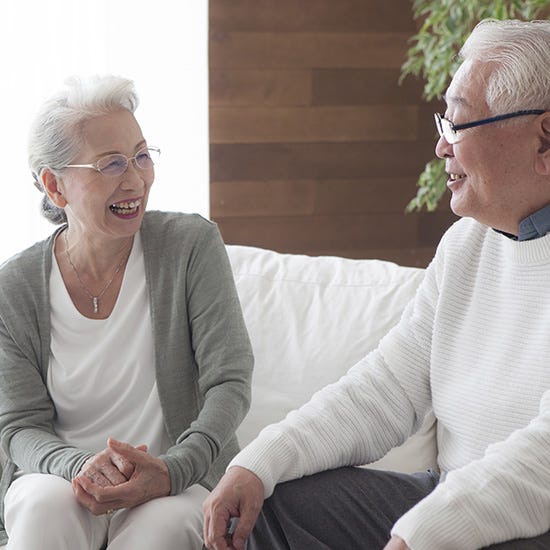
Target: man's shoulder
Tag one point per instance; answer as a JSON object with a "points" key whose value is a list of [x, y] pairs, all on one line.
{"points": [[465, 231]]}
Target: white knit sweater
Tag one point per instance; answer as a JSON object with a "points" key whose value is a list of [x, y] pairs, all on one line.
{"points": [[474, 344]]}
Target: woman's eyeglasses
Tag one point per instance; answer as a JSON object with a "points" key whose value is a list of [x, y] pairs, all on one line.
{"points": [[116, 164]]}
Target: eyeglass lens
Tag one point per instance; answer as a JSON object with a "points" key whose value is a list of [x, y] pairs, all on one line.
{"points": [[445, 129], [115, 165]]}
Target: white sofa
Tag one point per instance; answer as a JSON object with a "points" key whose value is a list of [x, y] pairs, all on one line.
{"points": [[310, 319]]}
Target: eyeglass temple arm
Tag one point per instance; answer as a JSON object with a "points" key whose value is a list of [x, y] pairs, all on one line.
{"points": [[497, 118]]}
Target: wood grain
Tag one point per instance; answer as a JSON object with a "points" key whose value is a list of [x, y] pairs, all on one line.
{"points": [[314, 233], [308, 197], [269, 50], [259, 87], [312, 124], [374, 86], [315, 146], [328, 161], [311, 15]]}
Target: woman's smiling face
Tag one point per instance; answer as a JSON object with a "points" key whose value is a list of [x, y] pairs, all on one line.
{"points": [[101, 204]]}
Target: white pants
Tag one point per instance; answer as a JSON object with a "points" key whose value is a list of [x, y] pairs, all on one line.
{"points": [[42, 513]]}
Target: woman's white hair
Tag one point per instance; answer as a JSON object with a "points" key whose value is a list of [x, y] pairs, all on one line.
{"points": [[55, 134], [521, 53]]}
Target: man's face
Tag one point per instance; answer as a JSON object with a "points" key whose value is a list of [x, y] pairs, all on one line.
{"points": [[491, 168]]}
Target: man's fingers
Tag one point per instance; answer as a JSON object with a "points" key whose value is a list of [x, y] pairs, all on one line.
{"points": [[239, 494], [244, 526]]}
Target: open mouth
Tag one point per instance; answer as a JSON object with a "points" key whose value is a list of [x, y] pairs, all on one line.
{"points": [[456, 177], [125, 208]]}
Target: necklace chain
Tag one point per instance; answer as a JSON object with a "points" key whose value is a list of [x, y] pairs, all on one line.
{"points": [[95, 299]]}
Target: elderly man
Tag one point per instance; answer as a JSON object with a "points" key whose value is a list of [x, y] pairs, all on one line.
{"points": [[474, 344]]}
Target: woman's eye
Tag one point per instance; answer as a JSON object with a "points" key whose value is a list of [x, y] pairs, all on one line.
{"points": [[113, 165]]}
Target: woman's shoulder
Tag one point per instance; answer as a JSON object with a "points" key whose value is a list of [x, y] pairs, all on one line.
{"points": [[156, 220], [176, 227], [23, 281], [25, 264]]}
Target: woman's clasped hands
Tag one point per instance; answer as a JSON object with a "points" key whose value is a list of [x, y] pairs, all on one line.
{"points": [[120, 476]]}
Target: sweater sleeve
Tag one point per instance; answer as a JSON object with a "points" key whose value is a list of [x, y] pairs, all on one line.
{"points": [[373, 408], [500, 497]]}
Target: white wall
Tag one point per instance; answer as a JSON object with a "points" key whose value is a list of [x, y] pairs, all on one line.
{"points": [[161, 45]]}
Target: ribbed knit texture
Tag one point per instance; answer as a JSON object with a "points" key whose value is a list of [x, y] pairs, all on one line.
{"points": [[474, 344]]}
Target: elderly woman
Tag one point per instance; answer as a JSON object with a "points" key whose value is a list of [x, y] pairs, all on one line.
{"points": [[125, 363]]}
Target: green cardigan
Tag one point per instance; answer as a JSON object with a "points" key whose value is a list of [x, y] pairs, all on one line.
{"points": [[203, 357]]}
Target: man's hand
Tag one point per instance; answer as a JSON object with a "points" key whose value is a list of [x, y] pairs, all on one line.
{"points": [[396, 543], [239, 494], [141, 477]]}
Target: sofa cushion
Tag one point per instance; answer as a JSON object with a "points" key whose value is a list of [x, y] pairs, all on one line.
{"points": [[310, 319]]}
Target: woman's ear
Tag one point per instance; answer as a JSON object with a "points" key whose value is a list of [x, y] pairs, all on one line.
{"points": [[52, 187], [543, 154]]}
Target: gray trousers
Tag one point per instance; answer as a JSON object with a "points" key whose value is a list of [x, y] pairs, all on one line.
{"points": [[347, 509]]}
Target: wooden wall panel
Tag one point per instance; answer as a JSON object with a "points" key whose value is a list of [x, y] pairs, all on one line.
{"points": [[309, 197], [248, 50], [362, 87], [312, 124], [332, 231], [315, 147], [259, 88], [320, 161], [311, 15]]}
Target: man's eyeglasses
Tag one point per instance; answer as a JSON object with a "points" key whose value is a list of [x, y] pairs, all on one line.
{"points": [[449, 131], [117, 164]]}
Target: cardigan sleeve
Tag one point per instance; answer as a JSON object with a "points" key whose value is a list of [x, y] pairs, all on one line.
{"points": [[26, 410], [221, 357]]}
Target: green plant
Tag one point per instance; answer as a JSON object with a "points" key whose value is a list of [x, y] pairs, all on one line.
{"points": [[444, 26]]}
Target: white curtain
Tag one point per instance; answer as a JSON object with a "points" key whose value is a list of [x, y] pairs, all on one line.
{"points": [[161, 45]]}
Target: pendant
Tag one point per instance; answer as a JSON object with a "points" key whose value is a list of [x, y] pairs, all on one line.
{"points": [[95, 302]]}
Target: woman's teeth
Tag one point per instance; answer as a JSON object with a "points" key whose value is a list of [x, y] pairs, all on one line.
{"points": [[125, 208], [454, 177]]}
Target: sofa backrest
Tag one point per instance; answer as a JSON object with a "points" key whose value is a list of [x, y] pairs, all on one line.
{"points": [[310, 319]]}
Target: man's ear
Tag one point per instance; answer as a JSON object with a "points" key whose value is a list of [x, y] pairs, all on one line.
{"points": [[52, 187], [543, 154]]}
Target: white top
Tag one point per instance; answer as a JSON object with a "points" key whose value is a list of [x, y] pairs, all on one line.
{"points": [[101, 375], [475, 344]]}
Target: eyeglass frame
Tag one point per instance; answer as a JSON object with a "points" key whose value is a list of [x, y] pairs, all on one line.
{"points": [[94, 165], [455, 128]]}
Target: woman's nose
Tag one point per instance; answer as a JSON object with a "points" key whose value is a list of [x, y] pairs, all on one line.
{"points": [[133, 178]]}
